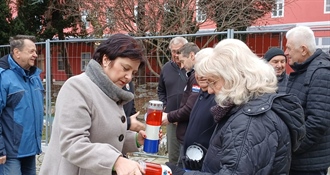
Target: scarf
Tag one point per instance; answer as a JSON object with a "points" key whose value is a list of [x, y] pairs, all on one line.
{"points": [[95, 72], [219, 112]]}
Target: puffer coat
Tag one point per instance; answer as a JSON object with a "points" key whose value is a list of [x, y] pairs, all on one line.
{"points": [[256, 138]]}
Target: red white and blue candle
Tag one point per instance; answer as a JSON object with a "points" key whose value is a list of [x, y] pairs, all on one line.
{"points": [[153, 123]]}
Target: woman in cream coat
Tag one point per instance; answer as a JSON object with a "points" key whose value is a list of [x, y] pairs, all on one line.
{"points": [[89, 135]]}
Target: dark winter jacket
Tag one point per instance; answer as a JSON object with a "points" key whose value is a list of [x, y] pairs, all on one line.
{"points": [[256, 138], [181, 115], [171, 85], [201, 123], [129, 107], [311, 83], [282, 82], [21, 109]]}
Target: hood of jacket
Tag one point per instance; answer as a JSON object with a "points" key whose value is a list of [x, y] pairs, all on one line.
{"points": [[287, 107]]}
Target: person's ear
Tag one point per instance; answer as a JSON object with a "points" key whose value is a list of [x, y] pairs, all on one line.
{"points": [[304, 50], [105, 61], [192, 56], [16, 51]]}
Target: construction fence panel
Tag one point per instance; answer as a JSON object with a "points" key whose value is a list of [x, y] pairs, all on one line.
{"points": [[62, 59]]}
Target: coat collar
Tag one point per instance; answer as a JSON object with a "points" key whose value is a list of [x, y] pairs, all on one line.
{"points": [[96, 74]]}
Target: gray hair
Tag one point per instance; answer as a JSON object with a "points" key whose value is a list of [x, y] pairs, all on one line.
{"points": [[302, 35], [187, 48], [18, 41], [203, 53], [245, 75], [177, 40]]}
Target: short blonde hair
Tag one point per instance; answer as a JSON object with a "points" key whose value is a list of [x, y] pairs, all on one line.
{"points": [[245, 75]]}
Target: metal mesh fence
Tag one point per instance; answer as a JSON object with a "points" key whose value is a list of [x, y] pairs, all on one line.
{"points": [[59, 60]]}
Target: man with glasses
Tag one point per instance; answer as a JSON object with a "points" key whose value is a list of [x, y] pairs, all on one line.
{"points": [[171, 84]]}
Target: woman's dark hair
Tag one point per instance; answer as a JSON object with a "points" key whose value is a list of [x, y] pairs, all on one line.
{"points": [[120, 45]]}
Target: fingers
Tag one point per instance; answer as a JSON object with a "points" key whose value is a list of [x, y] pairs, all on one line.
{"points": [[141, 169], [135, 115], [3, 159], [164, 119]]}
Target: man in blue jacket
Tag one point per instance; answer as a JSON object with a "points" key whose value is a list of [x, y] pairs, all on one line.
{"points": [[310, 82], [21, 108]]}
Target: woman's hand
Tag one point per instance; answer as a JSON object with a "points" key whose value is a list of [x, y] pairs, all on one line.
{"points": [[135, 124], [125, 166], [141, 136]]}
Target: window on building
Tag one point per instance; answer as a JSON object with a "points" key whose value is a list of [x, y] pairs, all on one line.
{"points": [[326, 41], [326, 6], [200, 13], [278, 10], [167, 7], [323, 43], [84, 16], [85, 57], [136, 13]]}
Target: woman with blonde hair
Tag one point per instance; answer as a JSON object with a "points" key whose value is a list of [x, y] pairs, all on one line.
{"points": [[257, 129]]}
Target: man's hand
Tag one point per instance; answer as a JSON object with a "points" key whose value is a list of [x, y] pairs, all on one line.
{"points": [[164, 119], [135, 124], [175, 169], [3, 159]]}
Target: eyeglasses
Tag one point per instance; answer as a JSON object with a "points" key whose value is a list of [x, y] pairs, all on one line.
{"points": [[212, 84], [175, 52]]}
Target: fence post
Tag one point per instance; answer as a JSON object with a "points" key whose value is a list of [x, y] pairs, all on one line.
{"points": [[48, 98], [230, 33]]}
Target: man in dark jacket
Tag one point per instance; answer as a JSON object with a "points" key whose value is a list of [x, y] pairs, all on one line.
{"points": [[181, 116], [310, 81], [171, 85], [201, 123], [277, 59]]}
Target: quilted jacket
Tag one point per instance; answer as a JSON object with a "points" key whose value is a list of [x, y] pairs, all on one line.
{"points": [[257, 138], [311, 83]]}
